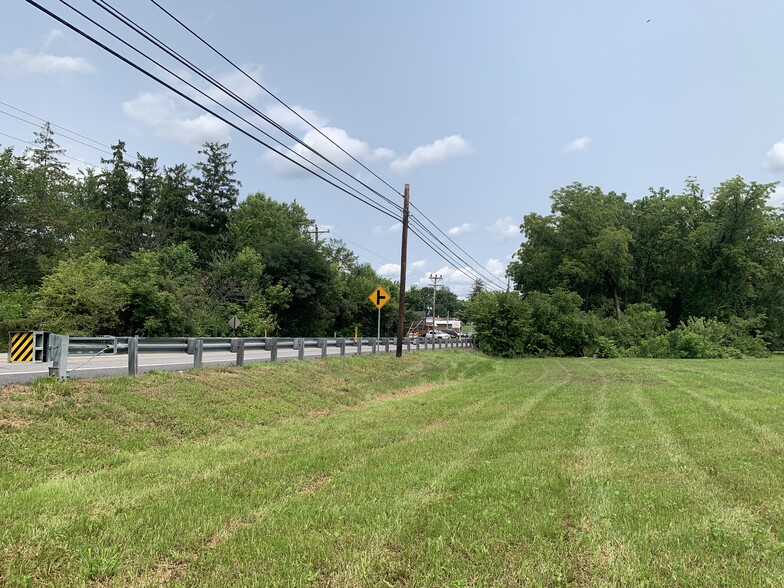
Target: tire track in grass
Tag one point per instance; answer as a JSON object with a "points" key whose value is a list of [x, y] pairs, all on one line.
{"points": [[721, 509], [589, 474], [416, 500], [277, 505], [599, 550], [100, 490], [772, 440]]}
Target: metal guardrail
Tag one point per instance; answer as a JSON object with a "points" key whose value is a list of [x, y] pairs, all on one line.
{"points": [[63, 346]]}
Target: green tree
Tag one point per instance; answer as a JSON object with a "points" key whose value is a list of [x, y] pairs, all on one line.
{"points": [[259, 221], [114, 202], [15, 256], [215, 192], [173, 216], [83, 296], [584, 246]]}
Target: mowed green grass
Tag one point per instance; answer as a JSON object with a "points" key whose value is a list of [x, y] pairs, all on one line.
{"points": [[439, 469]]}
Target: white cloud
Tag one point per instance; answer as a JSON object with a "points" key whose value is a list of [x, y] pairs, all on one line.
{"points": [[53, 35], [41, 63], [496, 267], [777, 198], [333, 143], [579, 144], [394, 228], [774, 159], [239, 84], [162, 115], [436, 152], [418, 265], [284, 117], [504, 228], [389, 270], [461, 229]]}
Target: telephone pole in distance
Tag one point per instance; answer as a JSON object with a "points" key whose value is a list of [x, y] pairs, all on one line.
{"points": [[401, 311], [434, 278]]}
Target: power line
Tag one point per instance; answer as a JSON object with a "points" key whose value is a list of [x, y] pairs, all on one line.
{"points": [[233, 125], [141, 31], [446, 253], [211, 80], [279, 100], [208, 78], [489, 275], [60, 155]]}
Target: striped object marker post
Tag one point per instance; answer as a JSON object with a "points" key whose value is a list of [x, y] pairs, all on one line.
{"points": [[21, 348]]}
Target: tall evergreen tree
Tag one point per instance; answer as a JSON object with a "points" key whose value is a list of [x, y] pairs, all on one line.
{"points": [[215, 192], [173, 216]]}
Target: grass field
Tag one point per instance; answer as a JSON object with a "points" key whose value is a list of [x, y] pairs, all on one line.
{"points": [[440, 469]]}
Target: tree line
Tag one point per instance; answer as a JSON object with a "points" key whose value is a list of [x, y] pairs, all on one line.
{"points": [[675, 275], [137, 248]]}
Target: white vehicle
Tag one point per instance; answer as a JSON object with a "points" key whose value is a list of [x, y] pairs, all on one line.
{"points": [[439, 335]]}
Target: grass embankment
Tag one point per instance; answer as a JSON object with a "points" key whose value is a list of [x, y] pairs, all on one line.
{"points": [[438, 469]]}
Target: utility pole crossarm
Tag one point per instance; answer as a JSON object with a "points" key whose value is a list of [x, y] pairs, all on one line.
{"points": [[316, 232]]}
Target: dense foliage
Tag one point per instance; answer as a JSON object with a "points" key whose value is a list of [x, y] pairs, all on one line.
{"points": [[139, 249], [607, 276]]}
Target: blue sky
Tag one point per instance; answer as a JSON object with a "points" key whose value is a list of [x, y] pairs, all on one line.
{"points": [[484, 108]]}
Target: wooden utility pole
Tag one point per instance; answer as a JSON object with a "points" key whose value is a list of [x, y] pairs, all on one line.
{"points": [[435, 280], [401, 311], [318, 232]]}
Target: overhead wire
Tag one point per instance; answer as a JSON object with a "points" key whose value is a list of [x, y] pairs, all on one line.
{"points": [[19, 118], [447, 254], [273, 95], [210, 79], [193, 101], [357, 195], [62, 154], [489, 275]]}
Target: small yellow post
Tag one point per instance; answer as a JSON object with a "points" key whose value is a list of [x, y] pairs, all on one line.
{"points": [[356, 335]]}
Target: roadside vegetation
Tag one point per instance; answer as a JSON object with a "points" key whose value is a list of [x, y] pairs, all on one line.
{"points": [[666, 275], [448, 469]]}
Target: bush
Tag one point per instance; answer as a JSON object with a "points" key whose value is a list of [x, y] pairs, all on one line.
{"points": [[700, 338], [498, 320], [606, 348]]}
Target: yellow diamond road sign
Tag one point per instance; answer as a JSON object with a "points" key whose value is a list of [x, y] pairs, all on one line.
{"points": [[379, 297]]}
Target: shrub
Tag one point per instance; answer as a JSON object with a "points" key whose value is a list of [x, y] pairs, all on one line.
{"points": [[606, 348]]}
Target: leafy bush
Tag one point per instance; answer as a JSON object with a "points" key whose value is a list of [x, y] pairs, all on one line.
{"points": [[606, 348], [499, 324], [555, 325], [700, 338]]}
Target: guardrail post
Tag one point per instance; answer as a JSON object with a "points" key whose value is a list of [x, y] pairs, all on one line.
{"points": [[58, 347], [342, 345], [301, 348], [198, 348], [419, 340], [386, 345], [133, 356], [359, 346], [323, 344], [238, 346], [408, 343], [373, 346], [271, 345]]}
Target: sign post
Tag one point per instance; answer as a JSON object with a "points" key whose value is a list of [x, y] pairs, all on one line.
{"points": [[379, 297]]}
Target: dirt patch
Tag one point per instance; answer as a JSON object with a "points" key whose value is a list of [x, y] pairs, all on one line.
{"points": [[314, 485], [10, 423]]}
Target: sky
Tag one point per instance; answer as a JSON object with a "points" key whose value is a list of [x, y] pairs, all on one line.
{"points": [[483, 108]]}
